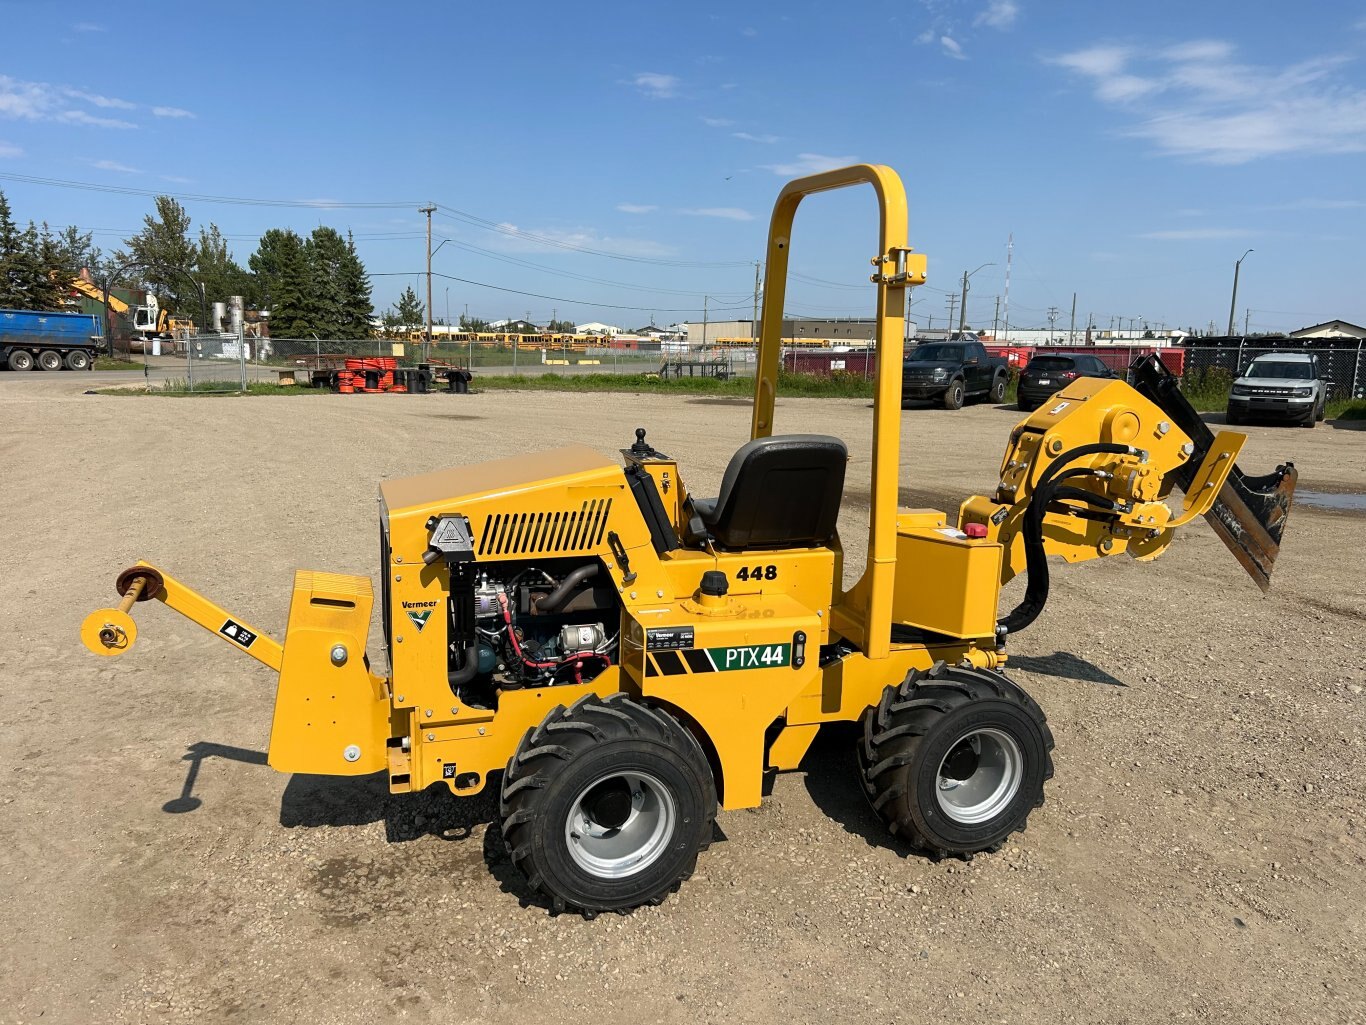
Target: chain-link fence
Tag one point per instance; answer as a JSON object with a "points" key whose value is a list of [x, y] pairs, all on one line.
{"points": [[1342, 361]]}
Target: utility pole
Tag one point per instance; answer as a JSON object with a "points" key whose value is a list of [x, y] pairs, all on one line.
{"points": [[1247, 316], [963, 305], [1233, 305], [754, 324], [705, 300], [427, 347], [948, 328], [1072, 329], [1010, 254], [996, 319], [1052, 319]]}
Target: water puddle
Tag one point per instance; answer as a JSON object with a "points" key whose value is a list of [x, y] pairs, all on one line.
{"points": [[1329, 500]]}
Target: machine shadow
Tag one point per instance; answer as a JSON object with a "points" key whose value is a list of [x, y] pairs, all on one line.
{"points": [[1066, 665], [831, 774]]}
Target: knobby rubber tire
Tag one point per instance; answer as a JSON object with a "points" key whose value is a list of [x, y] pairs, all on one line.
{"points": [[554, 763], [913, 727], [954, 395]]}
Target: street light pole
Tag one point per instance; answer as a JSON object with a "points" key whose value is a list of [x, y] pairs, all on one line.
{"points": [[1233, 305], [428, 210], [963, 306]]}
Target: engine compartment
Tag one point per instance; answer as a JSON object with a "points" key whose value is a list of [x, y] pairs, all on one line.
{"points": [[531, 623]]}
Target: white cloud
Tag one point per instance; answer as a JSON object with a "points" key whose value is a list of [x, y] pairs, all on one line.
{"points": [[748, 137], [637, 208], [8, 149], [951, 48], [717, 122], [39, 101], [80, 117], [175, 178], [171, 112], [1000, 14], [87, 26], [114, 165], [655, 85], [1319, 204], [96, 100], [728, 213], [1197, 234], [1195, 100], [809, 163], [579, 238]]}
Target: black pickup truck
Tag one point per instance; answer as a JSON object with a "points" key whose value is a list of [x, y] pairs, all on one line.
{"points": [[953, 372]]}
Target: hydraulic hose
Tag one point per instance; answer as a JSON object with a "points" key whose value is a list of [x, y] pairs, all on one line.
{"points": [[1036, 559], [469, 666]]}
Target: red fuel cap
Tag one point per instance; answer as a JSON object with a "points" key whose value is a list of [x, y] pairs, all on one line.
{"points": [[975, 529]]}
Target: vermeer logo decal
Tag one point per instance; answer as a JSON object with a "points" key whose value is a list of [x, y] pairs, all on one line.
{"points": [[420, 618]]}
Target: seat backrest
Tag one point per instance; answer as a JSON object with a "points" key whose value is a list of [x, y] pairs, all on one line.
{"points": [[781, 492]]}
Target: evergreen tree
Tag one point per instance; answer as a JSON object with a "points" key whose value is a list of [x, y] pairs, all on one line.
{"points": [[409, 311], [475, 324], [326, 255], [357, 305], [284, 261]]}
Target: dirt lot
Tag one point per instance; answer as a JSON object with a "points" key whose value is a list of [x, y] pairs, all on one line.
{"points": [[1201, 855]]}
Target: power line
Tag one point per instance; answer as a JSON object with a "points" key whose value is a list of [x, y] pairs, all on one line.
{"points": [[128, 190], [553, 298]]}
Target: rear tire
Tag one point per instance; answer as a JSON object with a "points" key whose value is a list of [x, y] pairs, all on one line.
{"points": [[78, 359], [50, 359], [606, 805], [953, 396], [955, 759], [20, 359], [998, 390]]}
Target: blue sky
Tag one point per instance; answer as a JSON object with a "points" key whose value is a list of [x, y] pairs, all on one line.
{"points": [[1133, 152]]}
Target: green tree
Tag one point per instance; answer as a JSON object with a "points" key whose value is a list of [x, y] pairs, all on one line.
{"points": [[282, 261], [327, 252], [221, 274], [409, 310], [26, 279], [162, 247], [357, 305], [562, 327], [475, 324]]}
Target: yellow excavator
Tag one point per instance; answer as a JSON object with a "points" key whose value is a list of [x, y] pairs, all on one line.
{"points": [[147, 321], [621, 655]]}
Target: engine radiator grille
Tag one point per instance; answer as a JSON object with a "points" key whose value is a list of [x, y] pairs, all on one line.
{"points": [[570, 530]]}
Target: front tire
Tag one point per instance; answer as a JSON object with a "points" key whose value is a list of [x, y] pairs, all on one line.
{"points": [[955, 759], [606, 805], [1233, 419], [953, 396]]}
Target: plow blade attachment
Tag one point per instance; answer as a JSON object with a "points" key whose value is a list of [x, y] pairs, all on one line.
{"points": [[1250, 513]]}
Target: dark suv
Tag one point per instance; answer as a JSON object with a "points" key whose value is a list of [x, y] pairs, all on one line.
{"points": [[1048, 373]]}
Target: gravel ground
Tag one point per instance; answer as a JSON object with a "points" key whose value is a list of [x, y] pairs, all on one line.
{"points": [[1200, 855]]}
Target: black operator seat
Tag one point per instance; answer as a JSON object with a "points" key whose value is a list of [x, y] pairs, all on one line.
{"points": [[778, 492]]}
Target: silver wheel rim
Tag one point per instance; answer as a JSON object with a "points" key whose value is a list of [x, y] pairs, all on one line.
{"points": [[979, 776], [612, 850]]}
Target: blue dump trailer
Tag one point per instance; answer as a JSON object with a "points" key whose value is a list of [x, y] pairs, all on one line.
{"points": [[49, 341]]}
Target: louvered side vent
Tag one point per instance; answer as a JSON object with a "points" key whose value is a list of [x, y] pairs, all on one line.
{"points": [[543, 533]]}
